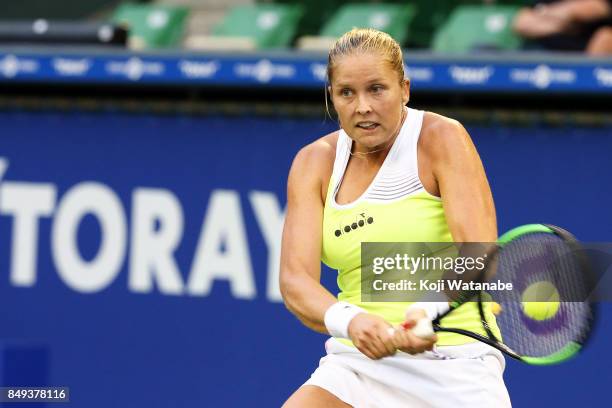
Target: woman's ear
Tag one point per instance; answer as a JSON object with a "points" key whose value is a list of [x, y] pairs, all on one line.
{"points": [[405, 91], [328, 96]]}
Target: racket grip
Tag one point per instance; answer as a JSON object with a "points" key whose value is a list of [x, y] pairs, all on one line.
{"points": [[404, 326], [423, 328]]}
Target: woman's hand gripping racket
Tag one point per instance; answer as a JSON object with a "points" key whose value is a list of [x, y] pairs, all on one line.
{"points": [[547, 317]]}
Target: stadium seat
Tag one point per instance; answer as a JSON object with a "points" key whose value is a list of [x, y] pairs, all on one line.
{"points": [[152, 26], [490, 28], [393, 19], [263, 26], [316, 13], [430, 14]]}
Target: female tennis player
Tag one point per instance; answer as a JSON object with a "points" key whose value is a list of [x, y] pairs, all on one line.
{"points": [[390, 174]]}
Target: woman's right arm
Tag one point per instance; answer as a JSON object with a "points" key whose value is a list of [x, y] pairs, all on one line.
{"points": [[300, 268]]}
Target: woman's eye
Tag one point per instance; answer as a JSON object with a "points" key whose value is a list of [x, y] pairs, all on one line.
{"points": [[346, 92], [377, 88]]}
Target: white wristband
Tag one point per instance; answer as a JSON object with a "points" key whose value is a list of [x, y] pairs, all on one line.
{"points": [[432, 309], [338, 317]]}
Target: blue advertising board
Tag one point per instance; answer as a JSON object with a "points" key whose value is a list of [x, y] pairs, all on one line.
{"points": [[428, 72], [138, 256]]}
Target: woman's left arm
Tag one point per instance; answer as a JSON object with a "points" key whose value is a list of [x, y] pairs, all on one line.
{"points": [[452, 169], [462, 183]]}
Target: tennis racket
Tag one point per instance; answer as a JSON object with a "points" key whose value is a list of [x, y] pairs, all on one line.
{"points": [[542, 257]]}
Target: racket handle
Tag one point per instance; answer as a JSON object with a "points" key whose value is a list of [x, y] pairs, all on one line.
{"points": [[423, 328]]}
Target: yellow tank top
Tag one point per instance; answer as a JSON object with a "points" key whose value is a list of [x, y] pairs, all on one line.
{"points": [[394, 208]]}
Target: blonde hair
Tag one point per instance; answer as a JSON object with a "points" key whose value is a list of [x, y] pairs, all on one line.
{"points": [[364, 40]]}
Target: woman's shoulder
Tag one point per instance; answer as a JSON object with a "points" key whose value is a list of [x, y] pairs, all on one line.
{"points": [[441, 134], [313, 165], [436, 124], [320, 154]]}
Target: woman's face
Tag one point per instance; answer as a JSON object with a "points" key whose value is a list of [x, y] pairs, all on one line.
{"points": [[369, 98]]}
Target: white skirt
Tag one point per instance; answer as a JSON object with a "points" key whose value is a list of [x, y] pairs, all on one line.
{"points": [[468, 375]]}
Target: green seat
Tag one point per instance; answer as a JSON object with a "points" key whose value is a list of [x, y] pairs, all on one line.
{"points": [[478, 28], [152, 26], [430, 14], [269, 25], [316, 13], [394, 19]]}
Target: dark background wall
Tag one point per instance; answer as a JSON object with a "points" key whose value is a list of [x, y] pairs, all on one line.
{"points": [[231, 346]]}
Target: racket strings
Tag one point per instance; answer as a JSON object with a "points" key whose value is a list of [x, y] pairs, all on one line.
{"points": [[546, 261]]}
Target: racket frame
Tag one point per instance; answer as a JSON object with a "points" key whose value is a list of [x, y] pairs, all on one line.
{"points": [[572, 348]]}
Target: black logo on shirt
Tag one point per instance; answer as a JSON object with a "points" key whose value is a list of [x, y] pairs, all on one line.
{"points": [[362, 220]]}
